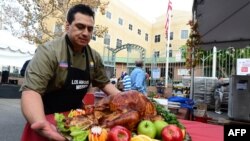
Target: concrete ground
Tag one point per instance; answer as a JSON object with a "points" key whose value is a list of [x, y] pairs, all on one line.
{"points": [[11, 120]]}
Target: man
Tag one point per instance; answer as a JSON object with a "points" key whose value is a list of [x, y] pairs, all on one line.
{"points": [[24, 67], [138, 78], [218, 95], [22, 72], [61, 72], [160, 86]]}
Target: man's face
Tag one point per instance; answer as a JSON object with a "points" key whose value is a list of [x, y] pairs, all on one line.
{"points": [[80, 30]]}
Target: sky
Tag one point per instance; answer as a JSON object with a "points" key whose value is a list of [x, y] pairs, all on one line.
{"points": [[150, 9]]}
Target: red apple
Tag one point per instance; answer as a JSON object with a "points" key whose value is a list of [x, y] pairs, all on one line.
{"points": [[172, 133], [119, 133]]}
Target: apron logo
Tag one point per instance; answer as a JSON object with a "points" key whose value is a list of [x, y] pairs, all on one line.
{"points": [[80, 84], [75, 82], [78, 87], [63, 64]]}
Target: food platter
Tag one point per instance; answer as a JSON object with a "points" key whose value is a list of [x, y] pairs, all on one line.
{"points": [[126, 110]]}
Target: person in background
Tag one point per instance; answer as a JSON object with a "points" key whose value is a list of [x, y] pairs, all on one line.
{"points": [[126, 81], [138, 78], [60, 73], [160, 86], [22, 71], [24, 67], [120, 84], [218, 95]]}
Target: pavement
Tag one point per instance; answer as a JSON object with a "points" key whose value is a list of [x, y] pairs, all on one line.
{"points": [[11, 120]]}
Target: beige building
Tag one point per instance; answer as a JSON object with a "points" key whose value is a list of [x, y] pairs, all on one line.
{"points": [[126, 27]]}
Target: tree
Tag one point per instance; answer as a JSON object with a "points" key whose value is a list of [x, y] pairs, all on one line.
{"points": [[10, 13], [193, 53], [40, 14]]}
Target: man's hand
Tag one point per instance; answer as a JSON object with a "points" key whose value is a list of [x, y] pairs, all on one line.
{"points": [[47, 130]]}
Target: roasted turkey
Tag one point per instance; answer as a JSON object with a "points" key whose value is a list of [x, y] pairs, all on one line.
{"points": [[125, 108]]}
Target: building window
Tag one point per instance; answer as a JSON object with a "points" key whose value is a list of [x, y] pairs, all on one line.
{"points": [[120, 21], [170, 53], [130, 27], [157, 38], [107, 39], [58, 28], [170, 45], [139, 31], [157, 54], [108, 15], [171, 35], [146, 37], [184, 34], [118, 43], [163, 72]]}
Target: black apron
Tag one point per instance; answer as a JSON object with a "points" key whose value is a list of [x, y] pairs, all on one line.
{"points": [[71, 94]]}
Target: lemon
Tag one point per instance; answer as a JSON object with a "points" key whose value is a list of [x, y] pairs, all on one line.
{"points": [[145, 138], [136, 138]]}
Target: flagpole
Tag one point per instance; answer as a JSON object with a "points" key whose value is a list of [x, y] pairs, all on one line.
{"points": [[169, 11]]}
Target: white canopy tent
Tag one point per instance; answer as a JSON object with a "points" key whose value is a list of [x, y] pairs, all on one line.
{"points": [[14, 51], [223, 23]]}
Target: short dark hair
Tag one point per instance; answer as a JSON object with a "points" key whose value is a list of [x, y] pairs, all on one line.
{"points": [[84, 9], [139, 63]]}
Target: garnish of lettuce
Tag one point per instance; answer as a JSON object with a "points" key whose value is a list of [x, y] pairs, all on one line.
{"points": [[59, 118], [76, 133]]}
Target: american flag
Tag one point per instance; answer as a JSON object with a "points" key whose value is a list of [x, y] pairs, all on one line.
{"points": [[168, 16]]}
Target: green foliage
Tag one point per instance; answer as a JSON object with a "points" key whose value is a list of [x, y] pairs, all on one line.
{"points": [[168, 116], [38, 13], [193, 50]]}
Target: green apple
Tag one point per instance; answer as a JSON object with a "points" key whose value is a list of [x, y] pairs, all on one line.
{"points": [[146, 127], [159, 125]]}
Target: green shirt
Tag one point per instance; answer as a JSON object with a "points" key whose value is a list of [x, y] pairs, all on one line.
{"points": [[46, 71]]}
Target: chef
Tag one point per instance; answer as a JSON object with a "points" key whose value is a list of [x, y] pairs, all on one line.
{"points": [[61, 72]]}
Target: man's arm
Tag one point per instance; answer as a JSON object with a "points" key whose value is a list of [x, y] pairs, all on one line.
{"points": [[110, 89], [32, 108]]}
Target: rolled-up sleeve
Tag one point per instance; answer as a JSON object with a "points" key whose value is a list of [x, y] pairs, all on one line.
{"points": [[40, 70]]}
